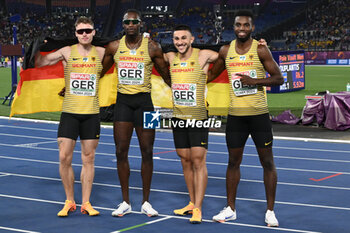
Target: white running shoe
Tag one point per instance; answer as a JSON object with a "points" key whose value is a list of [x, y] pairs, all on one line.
{"points": [[225, 215], [123, 208], [147, 209], [271, 219]]}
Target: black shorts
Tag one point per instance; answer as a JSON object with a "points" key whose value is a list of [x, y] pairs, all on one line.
{"points": [[130, 108], [86, 126], [238, 129], [190, 136]]}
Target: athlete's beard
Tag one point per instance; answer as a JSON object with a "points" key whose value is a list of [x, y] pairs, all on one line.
{"points": [[243, 39], [187, 48]]}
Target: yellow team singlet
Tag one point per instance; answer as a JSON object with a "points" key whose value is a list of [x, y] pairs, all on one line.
{"points": [[82, 76], [134, 68], [245, 100], [188, 82]]}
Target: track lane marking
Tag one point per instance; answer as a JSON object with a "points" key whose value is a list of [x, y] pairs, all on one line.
{"points": [[185, 193], [175, 174], [142, 224], [325, 178], [17, 230], [163, 215]]}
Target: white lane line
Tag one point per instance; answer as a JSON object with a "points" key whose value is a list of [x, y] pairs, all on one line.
{"points": [[171, 148], [17, 230], [3, 174], [162, 215], [210, 163], [219, 143], [185, 193], [212, 133], [178, 174], [35, 144]]}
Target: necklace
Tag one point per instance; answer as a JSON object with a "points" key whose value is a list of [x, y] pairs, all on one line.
{"points": [[135, 46]]}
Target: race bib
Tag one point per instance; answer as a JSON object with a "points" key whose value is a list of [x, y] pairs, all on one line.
{"points": [[238, 88], [83, 84], [185, 94], [131, 73]]}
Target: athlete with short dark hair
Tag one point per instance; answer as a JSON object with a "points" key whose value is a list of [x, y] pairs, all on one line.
{"points": [[188, 69], [246, 62], [134, 56]]}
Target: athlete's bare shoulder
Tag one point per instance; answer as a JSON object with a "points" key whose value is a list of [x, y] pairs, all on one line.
{"points": [[112, 47]]}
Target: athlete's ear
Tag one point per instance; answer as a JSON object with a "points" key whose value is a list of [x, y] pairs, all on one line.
{"points": [[253, 28], [192, 39]]}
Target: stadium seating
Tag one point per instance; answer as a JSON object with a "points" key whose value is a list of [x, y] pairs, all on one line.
{"points": [[326, 25]]}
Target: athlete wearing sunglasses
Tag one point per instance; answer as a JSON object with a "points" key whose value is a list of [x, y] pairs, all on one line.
{"points": [[133, 21], [134, 56], [80, 111], [86, 30]]}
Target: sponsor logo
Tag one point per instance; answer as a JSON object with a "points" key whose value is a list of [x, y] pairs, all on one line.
{"points": [[268, 143]]}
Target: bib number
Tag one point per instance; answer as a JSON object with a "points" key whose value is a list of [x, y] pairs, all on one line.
{"points": [[131, 73], [83, 84], [185, 94], [238, 88]]}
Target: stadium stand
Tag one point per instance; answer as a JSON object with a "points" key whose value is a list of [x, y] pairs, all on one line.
{"points": [[313, 25]]}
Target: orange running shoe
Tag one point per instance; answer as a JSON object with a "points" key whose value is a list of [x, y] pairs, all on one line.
{"points": [[196, 216], [69, 206], [86, 208], [186, 210]]}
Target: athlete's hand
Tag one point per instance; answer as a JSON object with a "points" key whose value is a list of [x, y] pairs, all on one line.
{"points": [[246, 80], [262, 42], [62, 92]]}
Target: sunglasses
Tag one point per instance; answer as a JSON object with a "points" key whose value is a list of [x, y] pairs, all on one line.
{"points": [[86, 30], [133, 21]]}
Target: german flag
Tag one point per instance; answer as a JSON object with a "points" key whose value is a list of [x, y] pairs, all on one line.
{"points": [[39, 87], [38, 90], [218, 96]]}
